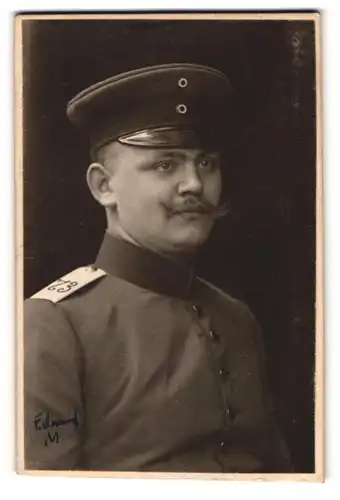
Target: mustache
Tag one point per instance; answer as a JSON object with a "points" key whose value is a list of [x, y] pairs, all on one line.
{"points": [[192, 204]]}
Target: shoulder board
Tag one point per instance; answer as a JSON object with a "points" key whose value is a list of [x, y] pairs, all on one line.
{"points": [[70, 283]]}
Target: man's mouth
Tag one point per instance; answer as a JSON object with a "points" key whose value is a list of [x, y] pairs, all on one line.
{"points": [[192, 208], [192, 214]]}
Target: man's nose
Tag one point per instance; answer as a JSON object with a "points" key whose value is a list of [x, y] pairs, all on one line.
{"points": [[190, 181]]}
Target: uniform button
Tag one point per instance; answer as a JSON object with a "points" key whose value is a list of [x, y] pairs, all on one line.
{"points": [[230, 413], [181, 109], [196, 309], [222, 445], [182, 82], [223, 373], [213, 335]]}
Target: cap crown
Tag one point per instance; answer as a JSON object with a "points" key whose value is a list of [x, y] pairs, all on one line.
{"points": [[182, 97]]}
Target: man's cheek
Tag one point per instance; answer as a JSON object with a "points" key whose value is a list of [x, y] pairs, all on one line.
{"points": [[213, 192]]}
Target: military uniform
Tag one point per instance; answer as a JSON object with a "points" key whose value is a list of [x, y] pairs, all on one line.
{"points": [[165, 371], [134, 363]]}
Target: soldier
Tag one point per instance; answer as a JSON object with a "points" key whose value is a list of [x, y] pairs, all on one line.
{"points": [[134, 363]]}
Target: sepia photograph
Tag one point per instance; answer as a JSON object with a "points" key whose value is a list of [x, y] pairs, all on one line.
{"points": [[169, 245]]}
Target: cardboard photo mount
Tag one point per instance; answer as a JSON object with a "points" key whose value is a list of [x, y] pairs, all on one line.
{"points": [[318, 475]]}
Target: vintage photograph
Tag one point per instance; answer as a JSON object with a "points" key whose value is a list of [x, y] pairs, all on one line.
{"points": [[169, 295]]}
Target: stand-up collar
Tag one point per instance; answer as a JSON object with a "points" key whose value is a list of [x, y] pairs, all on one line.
{"points": [[144, 268]]}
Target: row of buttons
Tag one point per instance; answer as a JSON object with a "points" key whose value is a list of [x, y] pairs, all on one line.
{"points": [[182, 108], [212, 334], [222, 372]]}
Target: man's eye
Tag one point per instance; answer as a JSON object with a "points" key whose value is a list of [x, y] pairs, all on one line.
{"points": [[206, 163], [164, 166]]}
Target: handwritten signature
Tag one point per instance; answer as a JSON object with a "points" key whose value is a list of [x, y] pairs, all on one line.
{"points": [[43, 421]]}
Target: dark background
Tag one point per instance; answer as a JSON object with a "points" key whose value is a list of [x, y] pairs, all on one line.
{"points": [[264, 250]]}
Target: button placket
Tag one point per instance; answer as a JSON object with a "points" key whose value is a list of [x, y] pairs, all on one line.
{"points": [[217, 350], [204, 322], [197, 317], [222, 374], [200, 319], [213, 342]]}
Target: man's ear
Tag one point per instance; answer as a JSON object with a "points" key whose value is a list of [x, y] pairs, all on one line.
{"points": [[99, 182]]}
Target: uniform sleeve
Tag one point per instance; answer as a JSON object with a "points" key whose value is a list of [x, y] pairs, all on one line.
{"points": [[276, 454], [53, 412]]}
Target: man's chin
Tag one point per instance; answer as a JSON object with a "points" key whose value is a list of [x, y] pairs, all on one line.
{"points": [[190, 240]]}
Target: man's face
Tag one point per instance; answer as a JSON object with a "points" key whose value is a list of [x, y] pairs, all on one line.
{"points": [[162, 195]]}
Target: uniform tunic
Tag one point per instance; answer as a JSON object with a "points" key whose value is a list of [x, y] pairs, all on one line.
{"points": [[147, 369]]}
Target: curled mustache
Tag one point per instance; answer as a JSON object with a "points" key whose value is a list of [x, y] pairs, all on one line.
{"points": [[193, 204]]}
